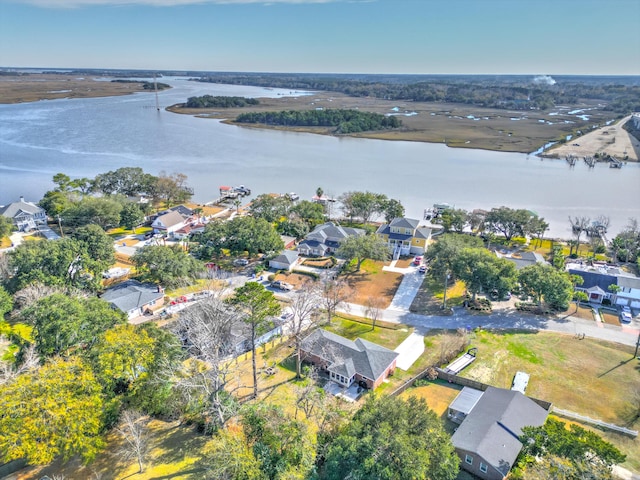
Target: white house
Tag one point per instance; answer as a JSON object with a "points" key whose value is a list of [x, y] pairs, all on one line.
{"points": [[169, 223], [25, 215], [285, 261]]}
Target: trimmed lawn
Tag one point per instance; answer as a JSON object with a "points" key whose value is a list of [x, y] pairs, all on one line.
{"points": [[438, 394], [583, 312], [609, 317], [5, 242], [372, 281], [590, 377], [387, 337], [429, 299]]}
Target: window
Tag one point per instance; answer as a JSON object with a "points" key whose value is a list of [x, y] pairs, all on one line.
{"points": [[468, 459], [483, 467]]}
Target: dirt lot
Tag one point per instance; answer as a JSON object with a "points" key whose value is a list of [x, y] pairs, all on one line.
{"points": [[372, 281], [610, 140]]}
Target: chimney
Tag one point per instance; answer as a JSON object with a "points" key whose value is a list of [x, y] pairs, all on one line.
{"points": [[21, 198]]}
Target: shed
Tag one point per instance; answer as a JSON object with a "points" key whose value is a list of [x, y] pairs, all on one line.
{"points": [[463, 404]]}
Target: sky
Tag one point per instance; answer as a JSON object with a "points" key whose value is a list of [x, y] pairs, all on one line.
{"points": [[326, 36]]}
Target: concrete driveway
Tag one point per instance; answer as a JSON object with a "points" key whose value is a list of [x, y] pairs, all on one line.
{"points": [[409, 350], [407, 290]]}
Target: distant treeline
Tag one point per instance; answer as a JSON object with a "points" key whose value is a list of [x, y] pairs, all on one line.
{"points": [[145, 85], [521, 95], [345, 121], [209, 101]]}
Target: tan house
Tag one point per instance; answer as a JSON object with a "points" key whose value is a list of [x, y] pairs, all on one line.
{"points": [[405, 236]]}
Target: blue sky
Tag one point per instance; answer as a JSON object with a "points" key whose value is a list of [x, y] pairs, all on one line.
{"points": [[353, 36]]}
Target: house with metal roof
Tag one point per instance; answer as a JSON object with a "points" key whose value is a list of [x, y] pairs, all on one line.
{"points": [[347, 361], [134, 298], [24, 215], [325, 239], [488, 439], [406, 236]]}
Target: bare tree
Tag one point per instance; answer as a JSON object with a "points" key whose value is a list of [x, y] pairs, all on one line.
{"points": [[303, 308], [373, 309], [333, 294], [578, 226], [32, 293], [205, 330], [30, 361], [310, 398], [135, 435]]}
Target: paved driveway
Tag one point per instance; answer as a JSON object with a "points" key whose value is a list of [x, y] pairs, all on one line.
{"points": [[409, 350], [407, 290]]}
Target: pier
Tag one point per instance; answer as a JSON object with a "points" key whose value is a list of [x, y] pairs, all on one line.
{"points": [[571, 160], [590, 161]]}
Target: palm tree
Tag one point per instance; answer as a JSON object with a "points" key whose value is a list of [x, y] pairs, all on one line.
{"points": [[319, 192], [237, 203]]}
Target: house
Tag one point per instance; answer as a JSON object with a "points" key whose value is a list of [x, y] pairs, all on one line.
{"points": [[488, 438], [24, 215], [240, 336], [405, 236], [289, 242], [325, 239], [523, 259], [285, 261], [134, 298], [348, 361], [187, 230], [168, 223], [598, 278]]}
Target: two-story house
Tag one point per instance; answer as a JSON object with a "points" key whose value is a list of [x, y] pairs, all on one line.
{"points": [[405, 236], [24, 215], [325, 239]]}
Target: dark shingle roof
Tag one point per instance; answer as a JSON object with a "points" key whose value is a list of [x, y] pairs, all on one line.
{"points": [[286, 256], [368, 359], [494, 425], [595, 279], [403, 222], [132, 294]]}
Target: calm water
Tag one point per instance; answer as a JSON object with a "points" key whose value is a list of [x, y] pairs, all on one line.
{"points": [[86, 137]]}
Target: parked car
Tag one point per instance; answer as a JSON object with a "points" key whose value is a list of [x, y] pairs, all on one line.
{"points": [[282, 285], [422, 269], [625, 308], [625, 317], [286, 315], [417, 260], [240, 262]]}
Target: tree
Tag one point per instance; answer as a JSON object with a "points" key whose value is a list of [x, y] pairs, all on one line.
{"points": [[508, 221], [578, 226], [257, 304], [283, 446], [62, 323], [251, 235], [363, 247], [128, 181], [131, 216], [333, 294], [97, 249], [135, 436], [373, 307], [391, 438], [55, 202], [270, 208], [312, 213], [481, 270], [6, 226], [53, 411], [172, 189], [454, 219], [6, 302], [205, 330], [543, 281], [583, 448], [303, 308], [392, 208], [363, 205], [227, 456], [580, 297], [169, 266], [101, 211]]}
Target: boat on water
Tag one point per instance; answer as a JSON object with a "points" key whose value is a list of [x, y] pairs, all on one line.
{"points": [[436, 211]]}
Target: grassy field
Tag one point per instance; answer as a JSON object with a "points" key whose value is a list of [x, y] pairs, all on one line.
{"points": [[387, 337], [430, 296], [372, 281], [590, 377]]}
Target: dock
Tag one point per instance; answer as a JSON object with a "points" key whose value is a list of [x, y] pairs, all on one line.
{"points": [[590, 161], [614, 162], [571, 160], [230, 193]]}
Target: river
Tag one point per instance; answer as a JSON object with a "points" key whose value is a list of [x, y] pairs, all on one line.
{"points": [[84, 137]]}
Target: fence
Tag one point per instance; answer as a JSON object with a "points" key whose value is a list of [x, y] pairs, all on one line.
{"points": [[592, 421]]}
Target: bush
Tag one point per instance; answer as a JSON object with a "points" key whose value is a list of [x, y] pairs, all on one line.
{"points": [[271, 277], [313, 275]]}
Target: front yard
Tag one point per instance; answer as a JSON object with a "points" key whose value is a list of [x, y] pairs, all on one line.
{"points": [[372, 282]]}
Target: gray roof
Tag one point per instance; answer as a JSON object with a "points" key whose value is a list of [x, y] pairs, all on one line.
{"points": [[182, 210], [526, 259], [595, 279], [16, 208], [403, 222], [331, 232], [493, 427], [132, 294], [466, 400], [312, 244], [170, 219], [360, 356], [288, 257]]}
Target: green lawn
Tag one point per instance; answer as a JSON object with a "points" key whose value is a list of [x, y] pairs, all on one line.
{"points": [[590, 377], [351, 329]]}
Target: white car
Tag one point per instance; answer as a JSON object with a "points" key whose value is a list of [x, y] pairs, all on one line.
{"points": [[625, 317], [241, 262]]}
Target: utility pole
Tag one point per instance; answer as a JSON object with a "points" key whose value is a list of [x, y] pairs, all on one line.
{"points": [[637, 345], [60, 225]]}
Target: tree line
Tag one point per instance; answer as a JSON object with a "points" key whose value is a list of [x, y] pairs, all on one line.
{"points": [[210, 101], [519, 94], [345, 121]]}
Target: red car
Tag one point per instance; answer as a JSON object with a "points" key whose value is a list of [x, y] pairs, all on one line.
{"points": [[417, 260]]}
